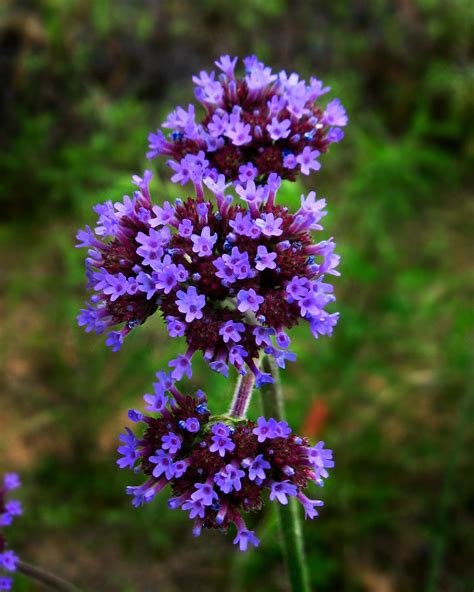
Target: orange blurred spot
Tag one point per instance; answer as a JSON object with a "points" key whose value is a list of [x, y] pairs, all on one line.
{"points": [[316, 419]]}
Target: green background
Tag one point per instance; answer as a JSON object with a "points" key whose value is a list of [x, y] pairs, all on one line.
{"points": [[391, 392]]}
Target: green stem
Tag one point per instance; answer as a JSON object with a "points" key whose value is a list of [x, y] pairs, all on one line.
{"points": [[290, 522], [45, 578]]}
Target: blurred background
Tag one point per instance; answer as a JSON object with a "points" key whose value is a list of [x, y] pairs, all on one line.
{"points": [[82, 83]]}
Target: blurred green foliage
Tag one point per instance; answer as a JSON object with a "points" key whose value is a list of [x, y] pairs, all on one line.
{"points": [[83, 84]]}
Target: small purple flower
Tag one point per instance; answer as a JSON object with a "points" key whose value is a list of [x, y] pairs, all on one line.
{"points": [[128, 450], [164, 464], [171, 442], [185, 228], [181, 366], [114, 340], [264, 259], [192, 425], [220, 429], [335, 114], [190, 303], [11, 481], [269, 225], [204, 243], [279, 129], [289, 161], [309, 506], [231, 331], [239, 133], [237, 355], [176, 328], [244, 538], [163, 215], [307, 160], [156, 403], [247, 172], [265, 429], [282, 430], [248, 300], [14, 508], [280, 490], [257, 467], [321, 459], [222, 445], [8, 560], [229, 478], [195, 507], [262, 335], [204, 493]]}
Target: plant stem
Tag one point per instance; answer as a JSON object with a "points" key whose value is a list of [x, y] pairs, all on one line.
{"points": [[242, 395], [44, 577], [290, 522]]}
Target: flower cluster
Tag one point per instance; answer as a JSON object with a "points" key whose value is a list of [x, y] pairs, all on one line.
{"points": [[218, 467], [9, 509], [256, 125], [230, 278]]}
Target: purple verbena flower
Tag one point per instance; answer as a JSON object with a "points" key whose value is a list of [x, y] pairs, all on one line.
{"points": [[262, 460]]}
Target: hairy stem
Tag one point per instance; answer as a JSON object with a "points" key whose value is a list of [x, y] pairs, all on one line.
{"points": [[242, 395], [290, 520], [44, 577]]}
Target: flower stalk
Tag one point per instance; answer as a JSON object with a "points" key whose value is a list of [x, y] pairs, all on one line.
{"points": [[46, 578], [290, 522], [242, 396]]}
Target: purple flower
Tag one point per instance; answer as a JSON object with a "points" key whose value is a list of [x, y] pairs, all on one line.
{"points": [[190, 303], [195, 507], [212, 270], [8, 560], [289, 161], [265, 429], [262, 335], [217, 493], [257, 467], [280, 490], [228, 478], [307, 160], [237, 355], [171, 442], [335, 114], [181, 366], [222, 445], [204, 243], [244, 538], [156, 403], [128, 450], [176, 328], [309, 506], [239, 133], [279, 129], [220, 429], [247, 172], [248, 300], [321, 459], [204, 493], [11, 481], [231, 331], [164, 464], [269, 225], [264, 259], [163, 215], [192, 425]]}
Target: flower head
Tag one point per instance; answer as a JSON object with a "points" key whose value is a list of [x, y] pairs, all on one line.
{"points": [[253, 125], [225, 468], [228, 278], [9, 510]]}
